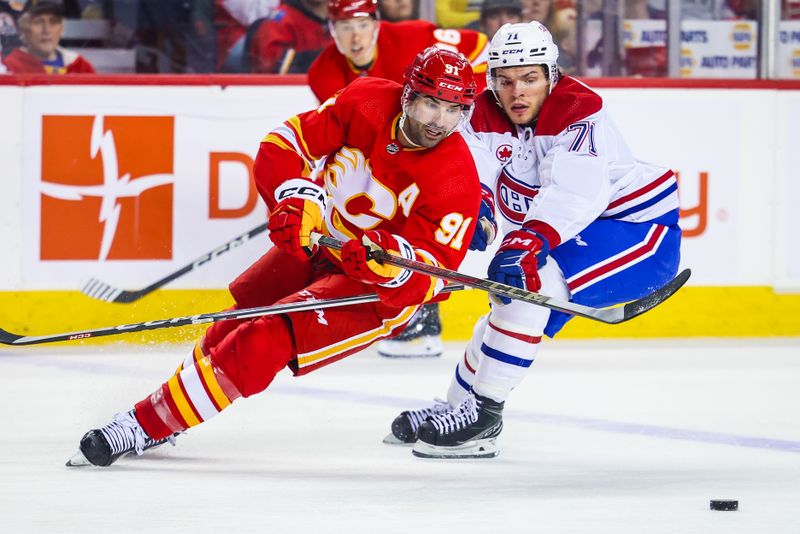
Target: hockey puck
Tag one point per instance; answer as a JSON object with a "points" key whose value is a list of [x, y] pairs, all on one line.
{"points": [[727, 506]]}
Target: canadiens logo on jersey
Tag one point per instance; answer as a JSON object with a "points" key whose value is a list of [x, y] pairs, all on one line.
{"points": [[514, 198]]}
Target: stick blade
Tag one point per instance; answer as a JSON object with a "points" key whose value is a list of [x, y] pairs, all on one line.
{"points": [[7, 338], [644, 304], [99, 290]]}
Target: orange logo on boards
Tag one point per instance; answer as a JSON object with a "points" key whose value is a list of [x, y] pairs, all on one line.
{"points": [[106, 187]]}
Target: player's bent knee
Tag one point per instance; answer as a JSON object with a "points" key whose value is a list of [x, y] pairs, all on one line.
{"points": [[253, 353]]}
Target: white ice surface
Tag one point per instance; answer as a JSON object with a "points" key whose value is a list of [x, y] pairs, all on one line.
{"points": [[618, 437]]}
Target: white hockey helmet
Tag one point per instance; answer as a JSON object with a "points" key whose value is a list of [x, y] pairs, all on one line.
{"points": [[524, 43]]}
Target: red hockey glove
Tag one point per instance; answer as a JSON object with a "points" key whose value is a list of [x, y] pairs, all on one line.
{"points": [[357, 262], [300, 211], [518, 260], [486, 229]]}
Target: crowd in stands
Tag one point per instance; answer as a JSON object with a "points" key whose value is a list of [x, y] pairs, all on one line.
{"points": [[284, 36]]}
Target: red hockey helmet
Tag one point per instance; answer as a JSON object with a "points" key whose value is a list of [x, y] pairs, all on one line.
{"points": [[348, 9], [442, 74]]}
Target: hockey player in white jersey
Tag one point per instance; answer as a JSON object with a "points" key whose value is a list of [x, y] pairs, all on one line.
{"points": [[584, 221]]}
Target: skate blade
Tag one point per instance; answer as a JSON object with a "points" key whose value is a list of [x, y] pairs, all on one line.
{"points": [[79, 460], [482, 448], [426, 347], [392, 440]]}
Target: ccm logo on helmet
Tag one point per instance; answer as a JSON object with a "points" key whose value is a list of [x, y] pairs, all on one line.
{"points": [[451, 86], [515, 51]]}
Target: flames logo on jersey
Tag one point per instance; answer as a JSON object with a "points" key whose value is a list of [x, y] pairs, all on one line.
{"points": [[514, 198], [357, 195], [504, 152]]}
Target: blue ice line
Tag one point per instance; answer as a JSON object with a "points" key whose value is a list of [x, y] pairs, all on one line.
{"points": [[586, 423], [404, 403]]}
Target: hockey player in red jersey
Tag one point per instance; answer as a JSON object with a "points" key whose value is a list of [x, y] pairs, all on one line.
{"points": [[396, 175], [365, 46], [585, 221]]}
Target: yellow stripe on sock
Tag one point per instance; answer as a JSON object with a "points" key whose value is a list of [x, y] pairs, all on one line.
{"points": [[181, 402], [207, 371]]}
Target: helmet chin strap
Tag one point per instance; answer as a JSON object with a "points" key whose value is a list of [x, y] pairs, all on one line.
{"points": [[400, 126]]}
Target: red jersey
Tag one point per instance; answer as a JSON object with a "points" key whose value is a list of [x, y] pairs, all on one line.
{"points": [[21, 62], [289, 40], [398, 44], [428, 196], [228, 31]]}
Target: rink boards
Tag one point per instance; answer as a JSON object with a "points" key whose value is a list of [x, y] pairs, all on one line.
{"points": [[127, 180]]}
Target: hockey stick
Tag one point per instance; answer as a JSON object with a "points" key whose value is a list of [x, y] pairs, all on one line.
{"points": [[97, 289], [614, 315], [7, 338]]}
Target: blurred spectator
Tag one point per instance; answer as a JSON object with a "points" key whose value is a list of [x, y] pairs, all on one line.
{"points": [[174, 36], [539, 10], [495, 13], [705, 9], [457, 13], [9, 37], [790, 10], [561, 19], [289, 39], [364, 46], [41, 26], [231, 20], [91, 9], [398, 10]]}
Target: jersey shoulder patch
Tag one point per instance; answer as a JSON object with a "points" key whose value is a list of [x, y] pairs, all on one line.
{"points": [[488, 117], [570, 102]]}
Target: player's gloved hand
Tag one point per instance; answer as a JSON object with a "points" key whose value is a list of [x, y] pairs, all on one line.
{"points": [[358, 263], [300, 211], [522, 253], [486, 229]]}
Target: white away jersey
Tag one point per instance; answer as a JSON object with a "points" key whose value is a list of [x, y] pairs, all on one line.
{"points": [[573, 169]]}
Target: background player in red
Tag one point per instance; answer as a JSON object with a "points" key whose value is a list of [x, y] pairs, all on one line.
{"points": [[396, 176], [365, 46]]}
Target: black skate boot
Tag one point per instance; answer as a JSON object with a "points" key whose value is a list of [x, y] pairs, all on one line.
{"points": [[420, 339], [104, 446], [404, 426], [468, 431]]}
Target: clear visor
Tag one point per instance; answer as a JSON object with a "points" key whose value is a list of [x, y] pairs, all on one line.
{"points": [[433, 113], [497, 83]]}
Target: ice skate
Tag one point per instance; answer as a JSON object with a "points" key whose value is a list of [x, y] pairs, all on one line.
{"points": [[104, 446], [420, 339], [404, 426], [468, 431]]}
